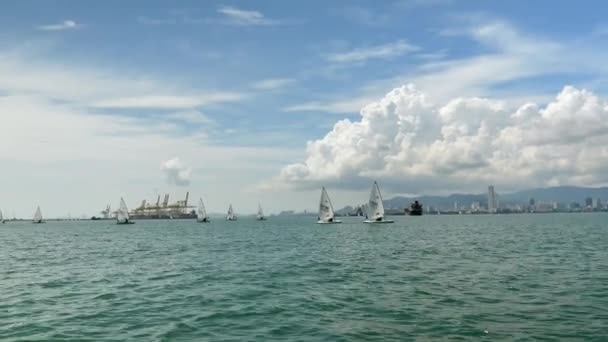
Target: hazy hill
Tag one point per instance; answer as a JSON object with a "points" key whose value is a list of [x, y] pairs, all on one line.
{"points": [[561, 194]]}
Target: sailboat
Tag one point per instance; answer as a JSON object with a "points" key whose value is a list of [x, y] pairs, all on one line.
{"points": [[260, 216], [230, 216], [375, 207], [201, 213], [326, 209], [2, 220], [122, 215], [38, 216]]}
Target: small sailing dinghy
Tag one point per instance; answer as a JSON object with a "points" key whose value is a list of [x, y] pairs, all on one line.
{"points": [[122, 215], [260, 216], [326, 210], [2, 220], [230, 216], [375, 207], [201, 213], [38, 216]]}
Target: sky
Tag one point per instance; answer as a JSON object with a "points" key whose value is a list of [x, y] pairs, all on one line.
{"points": [[249, 102]]}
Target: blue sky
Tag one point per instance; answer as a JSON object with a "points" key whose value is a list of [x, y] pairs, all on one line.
{"points": [[258, 81]]}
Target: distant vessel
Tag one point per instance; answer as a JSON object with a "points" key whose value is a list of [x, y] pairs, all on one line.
{"points": [[260, 216], [375, 207], [416, 209], [122, 215], [230, 216], [201, 213], [326, 209], [38, 216], [2, 217]]}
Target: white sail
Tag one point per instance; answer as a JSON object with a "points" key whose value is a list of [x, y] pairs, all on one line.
{"points": [[38, 215], [260, 215], [326, 209], [201, 212], [230, 216], [122, 215], [375, 207], [1, 217]]}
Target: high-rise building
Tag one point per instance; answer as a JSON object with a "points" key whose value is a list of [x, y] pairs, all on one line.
{"points": [[531, 204], [492, 203], [588, 202]]}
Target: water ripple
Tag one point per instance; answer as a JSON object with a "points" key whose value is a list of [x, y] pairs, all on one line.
{"points": [[518, 277]]}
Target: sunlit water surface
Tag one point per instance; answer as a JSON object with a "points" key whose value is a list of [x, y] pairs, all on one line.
{"points": [[510, 277]]}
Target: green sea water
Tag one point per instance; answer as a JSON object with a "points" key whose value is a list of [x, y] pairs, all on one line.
{"points": [[492, 277]]}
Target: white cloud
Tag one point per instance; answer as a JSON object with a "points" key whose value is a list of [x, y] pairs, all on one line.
{"points": [[54, 141], [507, 55], [384, 51], [273, 83], [415, 145], [337, 107], [242, 17], [51, 148], [168, 101], [192, 116], [176, 172], [24, 72], [65, 25]]}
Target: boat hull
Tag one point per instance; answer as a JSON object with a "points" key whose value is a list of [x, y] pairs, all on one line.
{"points": [[378, 222], [128, 222], [203, 221], [38, 222], [332, 222]]}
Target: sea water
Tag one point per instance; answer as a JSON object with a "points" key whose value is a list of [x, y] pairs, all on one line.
{"points": [[486, 277]]}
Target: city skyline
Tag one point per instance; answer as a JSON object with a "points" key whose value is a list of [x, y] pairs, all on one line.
{"points": [[249, 102]]}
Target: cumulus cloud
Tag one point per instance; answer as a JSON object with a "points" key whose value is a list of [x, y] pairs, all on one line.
{"points": [[176, 172], [415, 145], [65, 25]]}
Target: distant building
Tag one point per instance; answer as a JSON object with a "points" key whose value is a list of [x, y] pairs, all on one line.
{"points": [[588, 202], [544, 207], [492, 203], [475, 207], [532, 204]]}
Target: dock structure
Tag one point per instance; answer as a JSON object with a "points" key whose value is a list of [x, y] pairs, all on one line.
{"points": [[162, 210]]}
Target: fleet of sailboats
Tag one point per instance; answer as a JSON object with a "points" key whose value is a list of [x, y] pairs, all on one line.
{"points": [[230, 216], [375, 207], [201, 212], [374, 212], [37, 216], [326, 209], [122, 215]]}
